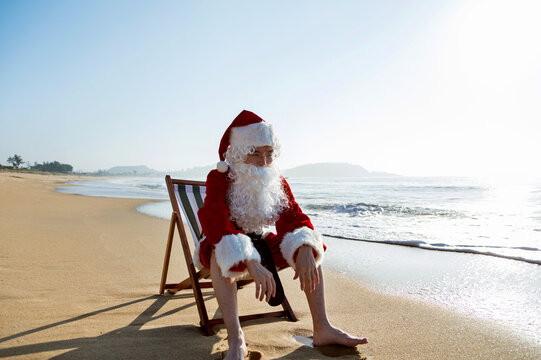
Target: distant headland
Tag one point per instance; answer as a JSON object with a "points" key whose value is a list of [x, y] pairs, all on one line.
{"points": [[333, 169]]}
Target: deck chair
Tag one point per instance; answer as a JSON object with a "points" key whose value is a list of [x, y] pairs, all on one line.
{"points": [[188, 196]]}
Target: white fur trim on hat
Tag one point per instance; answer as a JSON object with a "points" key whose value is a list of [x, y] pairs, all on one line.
{"points": [[232, 250], [301, 236], [258, 134]]}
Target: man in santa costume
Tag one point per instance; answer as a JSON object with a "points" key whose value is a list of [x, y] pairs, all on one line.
{"points": [[246, 195]]}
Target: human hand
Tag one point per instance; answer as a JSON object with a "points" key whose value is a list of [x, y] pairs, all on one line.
{"points": [[306, 270], [265, 286]]}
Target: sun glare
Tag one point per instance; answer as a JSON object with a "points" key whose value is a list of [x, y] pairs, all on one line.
{"points": [[497, 41], [498, 67]]}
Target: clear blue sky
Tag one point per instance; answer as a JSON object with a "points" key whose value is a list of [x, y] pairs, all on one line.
{"points": [[412, 87]]}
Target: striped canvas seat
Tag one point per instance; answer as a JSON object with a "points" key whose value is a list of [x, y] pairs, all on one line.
{"points": [[187, 198], [190, 199]]}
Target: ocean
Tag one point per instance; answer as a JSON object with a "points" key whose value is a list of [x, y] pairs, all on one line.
{"points": [[470, 245]]}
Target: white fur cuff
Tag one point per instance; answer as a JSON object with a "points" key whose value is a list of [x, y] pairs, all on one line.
{"points": [[301, 236], [232, 250]]}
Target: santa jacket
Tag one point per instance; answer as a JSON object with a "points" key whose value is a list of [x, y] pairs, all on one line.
{"points": [[232, 246]]}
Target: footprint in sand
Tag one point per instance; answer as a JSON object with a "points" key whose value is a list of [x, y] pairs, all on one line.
{"points": [[303, 340]]}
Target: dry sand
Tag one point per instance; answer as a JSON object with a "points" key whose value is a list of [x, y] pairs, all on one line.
{"points": [[80, 277]]}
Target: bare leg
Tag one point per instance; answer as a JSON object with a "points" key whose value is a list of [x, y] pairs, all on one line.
{"points": [[324, 332], [226, 294]]}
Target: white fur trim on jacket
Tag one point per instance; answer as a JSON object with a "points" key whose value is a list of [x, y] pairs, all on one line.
{"points": [[301, 236], [234, 249]]}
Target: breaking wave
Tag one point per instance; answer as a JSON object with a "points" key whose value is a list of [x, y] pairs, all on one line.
{"points": [[364, 209]]}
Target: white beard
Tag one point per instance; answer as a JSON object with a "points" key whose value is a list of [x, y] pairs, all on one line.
{"points": [[256, 197]]}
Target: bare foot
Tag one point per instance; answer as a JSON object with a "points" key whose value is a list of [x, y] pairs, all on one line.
{"points": [[237, 350], [333, 336]]}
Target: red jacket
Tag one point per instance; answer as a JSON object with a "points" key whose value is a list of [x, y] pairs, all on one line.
{"points": [[233, 247]]}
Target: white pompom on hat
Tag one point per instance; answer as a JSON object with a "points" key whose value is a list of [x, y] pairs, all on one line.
{"points": [[221, 166], [247, 129]]}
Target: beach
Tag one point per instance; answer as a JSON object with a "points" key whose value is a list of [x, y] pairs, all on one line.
{"points": [[80, 279]]}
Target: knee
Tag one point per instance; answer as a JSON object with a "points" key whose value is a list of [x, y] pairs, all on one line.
{"points": [[216, 272], [225, 279]]}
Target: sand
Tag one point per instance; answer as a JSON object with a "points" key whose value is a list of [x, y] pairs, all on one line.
{"points": [[80, 278]]}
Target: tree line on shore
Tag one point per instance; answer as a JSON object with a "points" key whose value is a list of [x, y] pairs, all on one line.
{"points": [[54, 166]]}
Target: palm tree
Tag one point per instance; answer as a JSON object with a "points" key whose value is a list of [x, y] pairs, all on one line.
{"points": [[15, 160]]}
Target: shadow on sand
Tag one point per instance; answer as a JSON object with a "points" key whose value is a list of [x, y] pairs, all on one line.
{"points": [[129, 342], [133, 342]]}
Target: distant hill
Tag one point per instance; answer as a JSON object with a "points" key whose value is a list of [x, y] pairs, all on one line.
{"points": [[332, 170], [140, 170], [195, 173]]}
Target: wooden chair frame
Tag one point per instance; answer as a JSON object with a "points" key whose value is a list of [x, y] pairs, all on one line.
{"points": [[196, 281]]}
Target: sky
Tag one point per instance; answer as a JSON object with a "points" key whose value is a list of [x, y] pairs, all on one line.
{"points": [[418, 88]]}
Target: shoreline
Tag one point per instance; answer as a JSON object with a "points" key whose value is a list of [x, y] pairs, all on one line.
{"points": [[416, 246], [90, 268]]}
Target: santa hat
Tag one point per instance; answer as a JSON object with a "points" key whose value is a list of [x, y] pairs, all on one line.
{"points": [[247, 129]]}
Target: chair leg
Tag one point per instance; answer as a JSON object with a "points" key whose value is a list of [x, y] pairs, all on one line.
{"points": [[200, 302], [165, 268], [207, 328], [287, 308]]}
